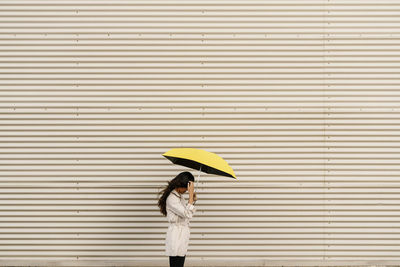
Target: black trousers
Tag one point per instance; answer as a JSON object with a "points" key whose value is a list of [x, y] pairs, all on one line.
{"points": [[176, 261]]}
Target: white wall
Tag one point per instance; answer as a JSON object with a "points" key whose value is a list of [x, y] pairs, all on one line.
{"points": [[300, 97]]}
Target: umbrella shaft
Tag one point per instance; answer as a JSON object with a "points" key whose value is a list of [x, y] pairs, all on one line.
{"points": [[198, 177]]}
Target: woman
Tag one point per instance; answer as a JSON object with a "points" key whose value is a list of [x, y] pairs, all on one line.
{"points": [[172, 205]]}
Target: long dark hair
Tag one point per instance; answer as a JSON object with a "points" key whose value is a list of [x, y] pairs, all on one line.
{"points": [[181, 180]]}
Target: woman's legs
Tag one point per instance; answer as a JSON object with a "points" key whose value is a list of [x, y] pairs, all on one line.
{"points": [[176, 261]]}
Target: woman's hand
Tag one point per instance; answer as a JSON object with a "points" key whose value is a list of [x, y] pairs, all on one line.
{"points": [[191, 192], [191, 187]]}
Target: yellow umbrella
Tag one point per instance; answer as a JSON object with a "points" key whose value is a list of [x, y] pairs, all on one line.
{"points": [[201, 160]]}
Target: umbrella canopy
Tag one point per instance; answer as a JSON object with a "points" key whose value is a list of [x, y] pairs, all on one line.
{"points": [[201, 160]]}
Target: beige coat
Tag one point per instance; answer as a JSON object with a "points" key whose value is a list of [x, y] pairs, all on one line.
{"points": [[179, 214]]}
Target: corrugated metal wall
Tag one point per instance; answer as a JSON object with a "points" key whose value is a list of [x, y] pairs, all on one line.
{"points": [[300, 97]]}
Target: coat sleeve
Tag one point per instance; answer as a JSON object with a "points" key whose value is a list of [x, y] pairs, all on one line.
{"points": [[176, 206]]}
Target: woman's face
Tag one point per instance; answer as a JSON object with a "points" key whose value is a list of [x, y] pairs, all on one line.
{"points": [[181, 190]]}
